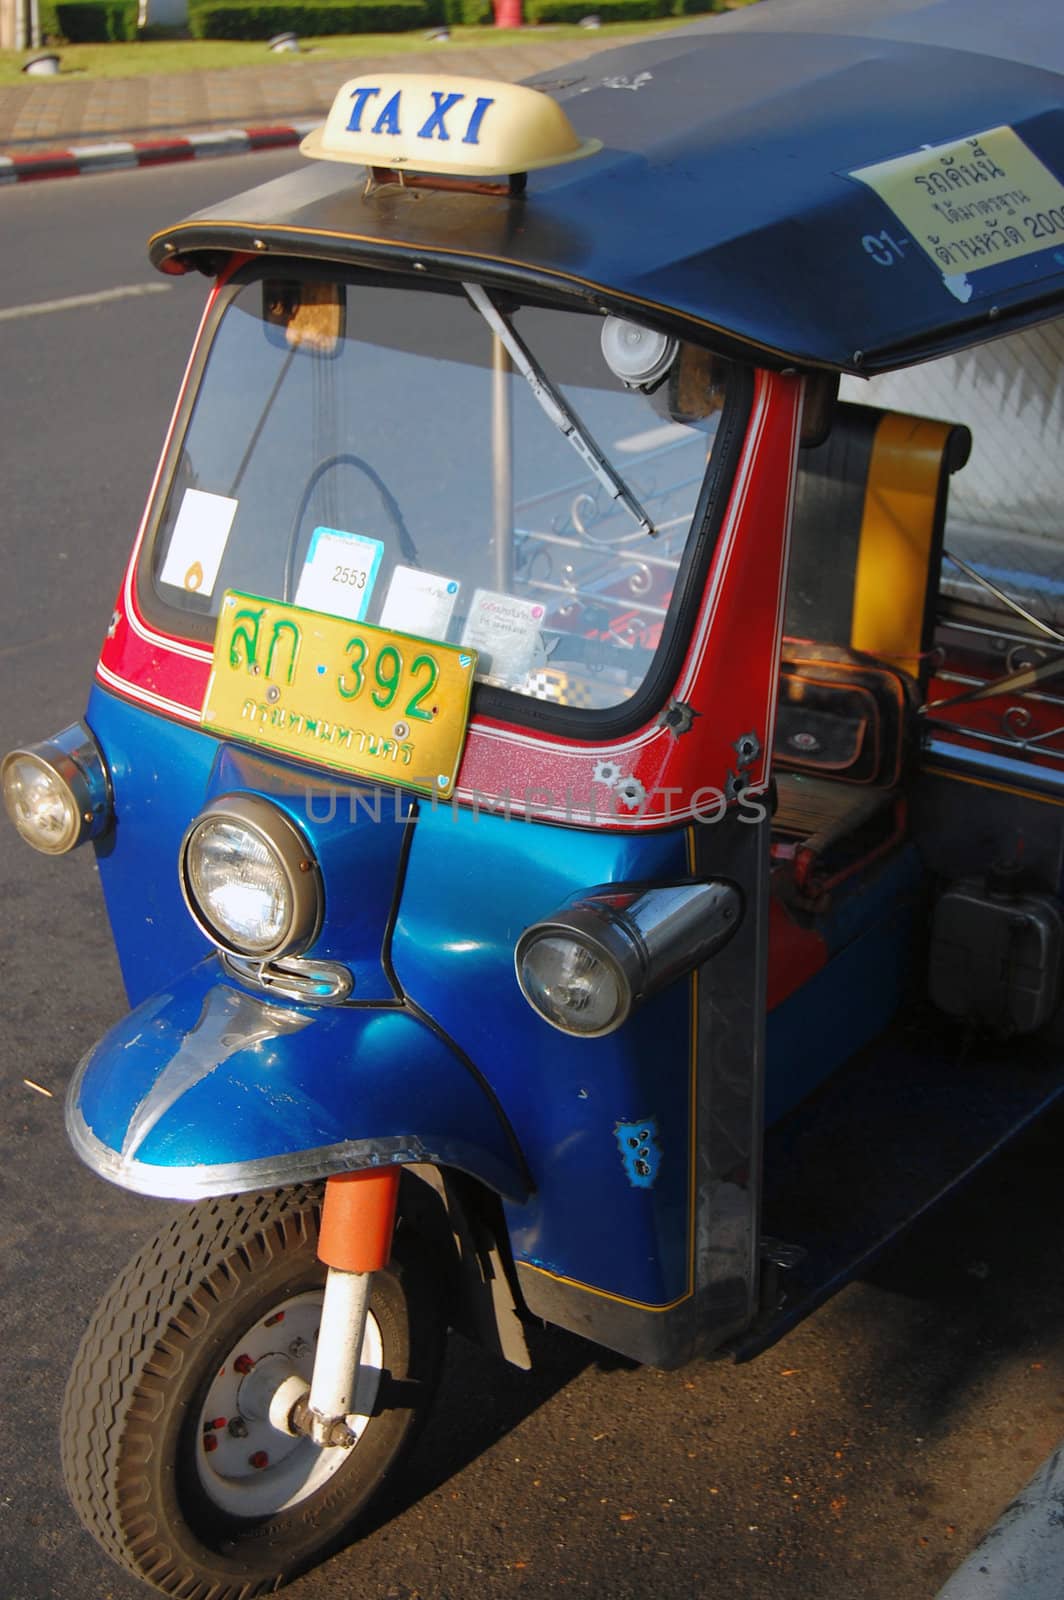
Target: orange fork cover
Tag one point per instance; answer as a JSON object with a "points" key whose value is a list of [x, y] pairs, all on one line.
{"points": [[358, 1218]]}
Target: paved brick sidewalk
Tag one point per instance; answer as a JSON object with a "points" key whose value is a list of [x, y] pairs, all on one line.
{"points": [[57, 112]]}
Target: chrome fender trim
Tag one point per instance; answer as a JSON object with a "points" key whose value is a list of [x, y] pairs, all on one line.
{"points": [[237, 1177], [207, 1089]]}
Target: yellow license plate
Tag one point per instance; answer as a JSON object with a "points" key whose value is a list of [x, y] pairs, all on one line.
{"points": [[347, 695]]}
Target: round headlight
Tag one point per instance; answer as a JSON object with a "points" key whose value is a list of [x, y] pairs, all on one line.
{"points": [[590, 965], [250, 879], [56, 793], [573, 983], [40, 803]]}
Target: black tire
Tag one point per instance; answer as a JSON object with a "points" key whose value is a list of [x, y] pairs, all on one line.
{"points": [[131, 1414]]}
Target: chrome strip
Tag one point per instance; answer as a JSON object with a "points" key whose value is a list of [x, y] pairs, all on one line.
{"points": [[237, 1177], [323, 983], [1015, 743], [991, 767], [1005, 599], [1039, 695]]}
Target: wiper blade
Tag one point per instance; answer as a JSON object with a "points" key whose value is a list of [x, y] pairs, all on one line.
{"points": [[554, 407]]}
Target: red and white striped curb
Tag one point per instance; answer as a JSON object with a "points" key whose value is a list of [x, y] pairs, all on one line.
{"points": [[119, 153]]}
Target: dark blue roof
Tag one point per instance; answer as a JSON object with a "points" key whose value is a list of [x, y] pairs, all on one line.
{"points": [[723, 194]]}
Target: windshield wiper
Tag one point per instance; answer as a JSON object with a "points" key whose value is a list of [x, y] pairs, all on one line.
{"points": [[554, 407]]}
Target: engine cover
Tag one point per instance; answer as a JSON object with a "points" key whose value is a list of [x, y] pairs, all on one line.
{"points": [[996, 954]]}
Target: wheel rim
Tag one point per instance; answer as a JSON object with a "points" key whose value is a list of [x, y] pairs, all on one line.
{"points": [[247, 1467]]}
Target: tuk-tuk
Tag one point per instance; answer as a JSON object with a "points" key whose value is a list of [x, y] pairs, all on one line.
{"points": [[575, 763]]}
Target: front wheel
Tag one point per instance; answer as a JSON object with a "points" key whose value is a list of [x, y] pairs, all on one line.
{"points": [[177, 1477]]}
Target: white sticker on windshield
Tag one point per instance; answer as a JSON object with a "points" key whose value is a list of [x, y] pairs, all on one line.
{"points": [[339, 573], [419, 602], [198, 541], [504, 632]]}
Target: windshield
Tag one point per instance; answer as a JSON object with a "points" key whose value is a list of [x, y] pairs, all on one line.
{"points": [[378, 453]]}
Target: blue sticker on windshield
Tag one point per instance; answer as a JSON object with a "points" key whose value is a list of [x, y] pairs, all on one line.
{"points": [[339, 573]]}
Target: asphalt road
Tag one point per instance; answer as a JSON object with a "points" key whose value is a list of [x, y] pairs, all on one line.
{"points": [[858, 1460]]}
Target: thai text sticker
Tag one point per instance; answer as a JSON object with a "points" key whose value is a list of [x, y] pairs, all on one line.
{"points": [[504, 632], [198, 541], [419, 602], [339, 573], [974, 203]]}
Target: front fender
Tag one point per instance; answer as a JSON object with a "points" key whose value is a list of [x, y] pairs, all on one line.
{"points": [[208, 1089]]}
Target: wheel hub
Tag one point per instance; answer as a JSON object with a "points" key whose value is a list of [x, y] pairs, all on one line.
{"points": [[250, 1459], [269, 1391]]}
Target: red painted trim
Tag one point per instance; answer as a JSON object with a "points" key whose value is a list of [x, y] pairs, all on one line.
{"points": [[1035, 718], [795, 954], [48, 164], [156, 152], [268, 138]]}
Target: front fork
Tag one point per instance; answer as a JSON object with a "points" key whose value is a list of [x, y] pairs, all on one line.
{"points": [[354, 1242]]}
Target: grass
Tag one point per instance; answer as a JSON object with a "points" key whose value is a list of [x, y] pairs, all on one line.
{"points": [[149, 56]]}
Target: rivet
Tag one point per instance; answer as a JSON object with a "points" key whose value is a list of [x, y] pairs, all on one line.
{"points": [[259, 244], [305, 866], [169, 248], [273, 694], [419, 266]]}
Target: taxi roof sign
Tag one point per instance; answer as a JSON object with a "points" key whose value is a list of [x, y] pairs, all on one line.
{"points": [[437, 123]]}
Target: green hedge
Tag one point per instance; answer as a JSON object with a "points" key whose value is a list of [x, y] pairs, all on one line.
{"points": [[88, 21], [608, 10], [467, 13], [261, 19]]}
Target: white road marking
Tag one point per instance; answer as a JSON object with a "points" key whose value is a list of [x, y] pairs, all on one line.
{"points": [[71, 302]]}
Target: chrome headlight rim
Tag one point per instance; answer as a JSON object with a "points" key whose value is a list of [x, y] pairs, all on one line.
{"points": [[606, 943], [645, 934], [267, 822], [72, 759]]}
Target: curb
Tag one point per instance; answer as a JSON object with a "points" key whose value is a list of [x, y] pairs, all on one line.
{"points": [[81, 160], [1023, 1554]]}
